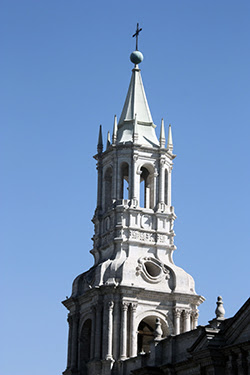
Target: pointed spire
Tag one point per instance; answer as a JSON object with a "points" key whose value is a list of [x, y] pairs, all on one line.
{"points": [[136, 101], [114, 130], [162, 135], [135, 135], [100, 142], [108, 141], [170, 139]]}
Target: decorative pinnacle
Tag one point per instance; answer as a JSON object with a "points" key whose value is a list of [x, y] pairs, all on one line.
{"points": [[170, 139], [114, 130], [108, 141], [162, 135], [136, 34], [100, 142], [220, 311]]}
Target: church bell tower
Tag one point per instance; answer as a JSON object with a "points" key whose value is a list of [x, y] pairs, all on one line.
{"points": [[134, 292]]}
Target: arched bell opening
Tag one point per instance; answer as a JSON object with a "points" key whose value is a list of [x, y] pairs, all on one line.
{"points": [[146, 332], [146, 188], [85, 346], [108, 188], [124, 185]]}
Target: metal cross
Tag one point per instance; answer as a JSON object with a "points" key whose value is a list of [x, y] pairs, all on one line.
{"points": [[136, 34]]}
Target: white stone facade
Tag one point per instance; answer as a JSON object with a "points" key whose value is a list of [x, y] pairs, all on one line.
{"points": [[134, 282]]}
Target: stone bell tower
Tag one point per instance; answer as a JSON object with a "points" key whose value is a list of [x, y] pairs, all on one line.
{"points": [[134, 292]]}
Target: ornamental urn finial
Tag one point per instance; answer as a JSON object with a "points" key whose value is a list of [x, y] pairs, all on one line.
{"points": [[220, 311]]}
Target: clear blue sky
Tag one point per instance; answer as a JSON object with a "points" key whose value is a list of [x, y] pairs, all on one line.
{"points": [[65, 69]]}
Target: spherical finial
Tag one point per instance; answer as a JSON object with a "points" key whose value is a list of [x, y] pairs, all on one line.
{"points": [[136, 57]]}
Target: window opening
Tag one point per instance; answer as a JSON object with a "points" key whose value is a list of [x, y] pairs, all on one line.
{"points": [[85, 345], [125, 181], [108, 188]]}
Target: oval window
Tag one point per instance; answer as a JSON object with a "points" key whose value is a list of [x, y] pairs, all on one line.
{"points": [[152, 269]]}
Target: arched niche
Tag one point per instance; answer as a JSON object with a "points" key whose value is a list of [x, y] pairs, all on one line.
{"points": [[85, 346], [147, 186], [146, 332]]}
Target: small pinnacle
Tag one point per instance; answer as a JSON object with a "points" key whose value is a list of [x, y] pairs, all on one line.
{"points": [[100, 142], [108, 141], [114, 130], [170, 139], [162, 134]]}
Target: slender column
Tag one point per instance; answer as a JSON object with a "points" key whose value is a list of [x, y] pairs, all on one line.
{"points": [[92, 340], [98, 336], [74, 342], [110, 330], [134, 194], [69, 340], [124, 330], [177, 316], [133, 341], [229, 365], [114, 178], [187, 321], [155, 188], [169, 187], [161, 180], [116, 328], [240, 364]]}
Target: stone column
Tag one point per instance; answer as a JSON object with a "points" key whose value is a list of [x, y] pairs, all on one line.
{"points": [[92, 339], [124, 328], [177, 325], [98, 320], [74, 342], [134, 188], [155, 189], [161, 180], [195, 315], [69, 340], [114, 178], [169, 187], [110, 330], [229, 365], [133, 338], [240, 364], [187, 321]]}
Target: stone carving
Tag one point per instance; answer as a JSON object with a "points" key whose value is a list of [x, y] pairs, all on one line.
{"points": [[162, 238], [146, 221], [141, 236], [177, 313]]}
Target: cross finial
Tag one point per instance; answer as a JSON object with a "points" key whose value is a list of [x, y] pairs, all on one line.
{"points": [[136, 34]]}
